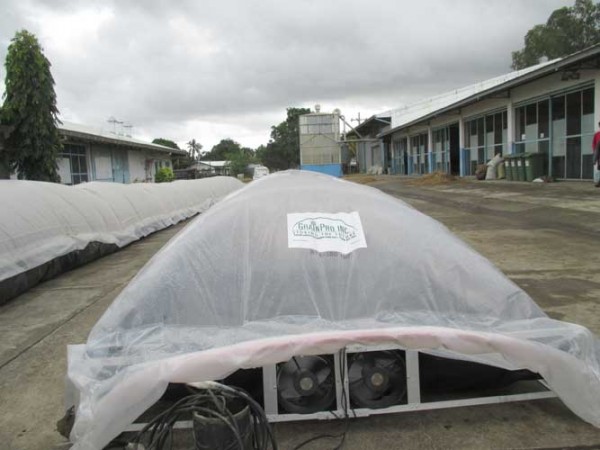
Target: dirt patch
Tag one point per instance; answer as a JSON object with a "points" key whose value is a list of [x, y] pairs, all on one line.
{"points": [[361, 179], [434, 179]]}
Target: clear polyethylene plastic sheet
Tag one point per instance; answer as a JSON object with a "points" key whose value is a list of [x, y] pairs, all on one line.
{"points": [[42, 221], [302, 263]]}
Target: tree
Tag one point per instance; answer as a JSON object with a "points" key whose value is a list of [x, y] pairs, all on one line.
{"points": [[568, 30], [238, 162], [224, 148], [166, 143], [229, 150], [179, 161], [283, 149], [194, 150], [248, 151], [30, 107]]}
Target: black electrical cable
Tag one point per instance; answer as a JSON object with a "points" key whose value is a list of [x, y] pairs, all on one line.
{"points": [[210, 401], [162, 426], [345, 407], [158, 433]]}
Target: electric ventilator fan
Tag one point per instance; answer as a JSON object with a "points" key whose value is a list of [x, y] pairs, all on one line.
{"points": [[376, 379], [306, 384]]}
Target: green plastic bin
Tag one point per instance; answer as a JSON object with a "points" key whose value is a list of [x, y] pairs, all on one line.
{"points": [[501, 171], [508, 168], [519, 168], [515, 166], [534, 165]]}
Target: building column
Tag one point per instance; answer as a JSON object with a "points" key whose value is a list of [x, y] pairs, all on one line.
{"points": [[510, 125], [430, 149], [410, 156], [461, 147], [596, 101], [405, 159]]}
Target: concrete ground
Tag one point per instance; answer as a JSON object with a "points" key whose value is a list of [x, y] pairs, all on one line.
{"points": [[545, 237]]}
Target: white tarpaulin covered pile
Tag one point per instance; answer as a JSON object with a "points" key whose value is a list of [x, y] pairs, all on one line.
{"points": [[299, 263], [43, 221]]}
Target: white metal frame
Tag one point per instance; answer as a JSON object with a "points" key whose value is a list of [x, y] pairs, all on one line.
{"points": [[413, 391]]}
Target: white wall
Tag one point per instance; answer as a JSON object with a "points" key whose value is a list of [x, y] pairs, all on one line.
{"points": [[137, 165], [139, 160], [551, 84], [101, 165], [417, 129], [444, 120], [64, 169], [484, 106], [399, 136]]}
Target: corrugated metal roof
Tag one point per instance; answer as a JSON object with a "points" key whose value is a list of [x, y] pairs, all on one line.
{"points": [[99, 134], [425, 109], [407, 114], [215, 163], [373, 124]]}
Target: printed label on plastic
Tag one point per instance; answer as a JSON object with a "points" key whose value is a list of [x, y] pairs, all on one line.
{"points": [[325, 232]]}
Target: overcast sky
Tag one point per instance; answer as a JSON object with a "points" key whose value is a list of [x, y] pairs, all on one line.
{"points": [[215, 69]]}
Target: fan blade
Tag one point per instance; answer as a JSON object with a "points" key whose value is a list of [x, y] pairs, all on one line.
{"points": [[320, 393], [313, 363], [323, 374], [362, 392], [357, 380], [290, 395], [386, 357], [286, 388], [354, 371], [396, 377], [384, 363], [287, 369], [366, 360]]}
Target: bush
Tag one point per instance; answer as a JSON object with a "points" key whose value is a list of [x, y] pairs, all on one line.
{"points": [[164, 175]]}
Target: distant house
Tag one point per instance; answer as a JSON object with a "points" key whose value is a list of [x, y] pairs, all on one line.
{"points": [[214, 167], [90, 154], [203, 169], [369, 151], [97, 155]]}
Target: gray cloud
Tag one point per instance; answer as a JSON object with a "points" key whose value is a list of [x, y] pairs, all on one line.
{"points": [[203, 69]]}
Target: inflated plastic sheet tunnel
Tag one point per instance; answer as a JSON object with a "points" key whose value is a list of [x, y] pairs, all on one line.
{"points": [[49, 228], [299, 264]]}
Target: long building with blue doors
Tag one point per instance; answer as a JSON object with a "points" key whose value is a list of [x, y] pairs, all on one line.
{"points": [[551, 108]]}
